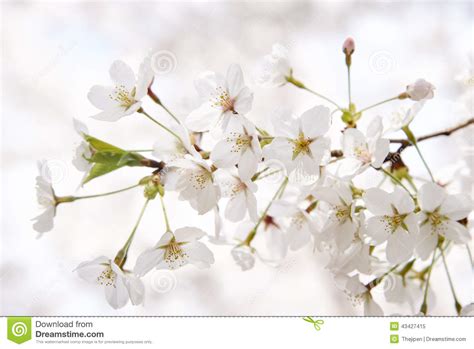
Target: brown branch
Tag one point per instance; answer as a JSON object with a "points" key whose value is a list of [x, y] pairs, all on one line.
{"points": [[447, 132], [404, 143]]}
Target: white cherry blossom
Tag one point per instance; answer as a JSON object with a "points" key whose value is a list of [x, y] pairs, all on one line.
{"points": [[301, 145], [358, 293], [239, 146], [394, 221], [46, 199], [174, 250], [223, 98], [298, 224], [169, 148], [403, 117], [420, 90], [438, 216], [361, 151], [124, 96], [83, 150], [195, 183], [119, 285], [342, 222], [241, 196], [275, 67]]}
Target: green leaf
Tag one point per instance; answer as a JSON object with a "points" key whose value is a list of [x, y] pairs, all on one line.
{"points": [[101, 145], [108, 158]]}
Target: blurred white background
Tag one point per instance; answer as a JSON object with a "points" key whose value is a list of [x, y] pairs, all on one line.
{"points": [[52, 53]]}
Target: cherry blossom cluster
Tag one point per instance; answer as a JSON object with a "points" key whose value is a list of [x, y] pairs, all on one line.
{"points": [[221, 162]]}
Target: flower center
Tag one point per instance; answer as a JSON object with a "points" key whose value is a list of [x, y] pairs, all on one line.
{"points": [[123, 97], [237, 188], [298, 220], [107, 277], [200, 179], [239, 141], [436, 219], [342, 213], [362, 154], [301, 145], [393, 222], [223, 100], [174, 254]]}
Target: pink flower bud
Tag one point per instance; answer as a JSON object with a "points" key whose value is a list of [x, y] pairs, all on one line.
{"points": [[349, 46], [420, 90]]}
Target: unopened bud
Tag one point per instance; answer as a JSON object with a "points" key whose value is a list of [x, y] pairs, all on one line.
{"points": [[348, 47]]}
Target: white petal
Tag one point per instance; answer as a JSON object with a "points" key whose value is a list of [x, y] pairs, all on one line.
{"points": [[377, 201], [147, 260], [224, 155], [315, 122], [456, 207], [202, 118], [80, 127], [114, 114], [90, 270], [122, 74], [206, 199], [235, 80], [136, 289], [243, 101], [352, 141], [430, 196], [402, 201], [117, 294], [190, 234], [144, 79], [236, 208], [400, 246], [251, 205], [426, 242], [45, 221], [345, 234], [382, 148], [199, 254], [247, 165], [378, 229], [100, 98], [456, 232], [371, 308]]}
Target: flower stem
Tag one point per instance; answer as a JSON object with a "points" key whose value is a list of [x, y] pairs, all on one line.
{"points": [[299, 84], [165, 215], [121, 256], [349, 84], [74, 198], [424, 161], [469, 255], [457, 305], [139, 150], [396, 180], [155, 98], [377, 104], [159, 124], [278, 193], [424, 306]]}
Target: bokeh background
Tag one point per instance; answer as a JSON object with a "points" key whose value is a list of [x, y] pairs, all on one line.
{"points": [[52, 53]]}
